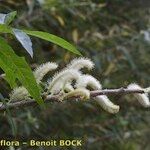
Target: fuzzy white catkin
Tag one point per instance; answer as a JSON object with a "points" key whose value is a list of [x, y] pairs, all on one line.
{"points": [[102, 100], [21, 93], [18, 94], [79, 63], [69, 87], [88, 80], [142, 98], [147, 90], [43, 69], [60, 79], [106, 104], [83, 93]]}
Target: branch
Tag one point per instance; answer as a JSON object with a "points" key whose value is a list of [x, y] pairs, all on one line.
{"points": [[47, 99]]}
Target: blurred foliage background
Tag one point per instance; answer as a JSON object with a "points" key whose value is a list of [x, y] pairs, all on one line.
{"points": [[116, 36]]}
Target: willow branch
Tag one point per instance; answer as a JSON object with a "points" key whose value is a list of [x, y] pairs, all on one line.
{"points": [[47, 99]]}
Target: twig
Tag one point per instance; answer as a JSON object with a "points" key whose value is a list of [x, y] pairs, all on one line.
{"points": [[31, 102], [115, 91]]}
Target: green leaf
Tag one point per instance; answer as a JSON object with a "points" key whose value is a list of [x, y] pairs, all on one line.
{"points": [[45, 36], [16, 67], [54, 39], [24, 39], [2, 18], [7, 18], [10, 77], [5, 29], [10, 17], [5, 65]]}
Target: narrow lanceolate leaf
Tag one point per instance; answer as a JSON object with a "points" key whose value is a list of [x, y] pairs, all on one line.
{"points": [[45, 36], [7, 18], [5, 29], [2, 18], [54, 39], [24, 39], [10, 17], [16, 67]]}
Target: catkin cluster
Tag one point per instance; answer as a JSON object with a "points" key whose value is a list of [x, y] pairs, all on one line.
{"points": [[72, 82]]}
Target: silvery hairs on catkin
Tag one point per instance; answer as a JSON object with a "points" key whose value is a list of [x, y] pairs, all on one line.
{"points": [[78, 64], [43, 69], [142, 98], [21, 93], [60, 79], [102, 100]]}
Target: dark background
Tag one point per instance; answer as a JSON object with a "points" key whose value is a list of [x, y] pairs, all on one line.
{"points": [[115, 34]]}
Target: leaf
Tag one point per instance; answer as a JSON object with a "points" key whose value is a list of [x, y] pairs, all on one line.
{"points": [[5, 29], [75, 35], [60, 20], [10, 62], [2, 18], [5, 65], [10, 78], [45, 36], [7, 18], [24, 39], [10, 17], [54, 39]]}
